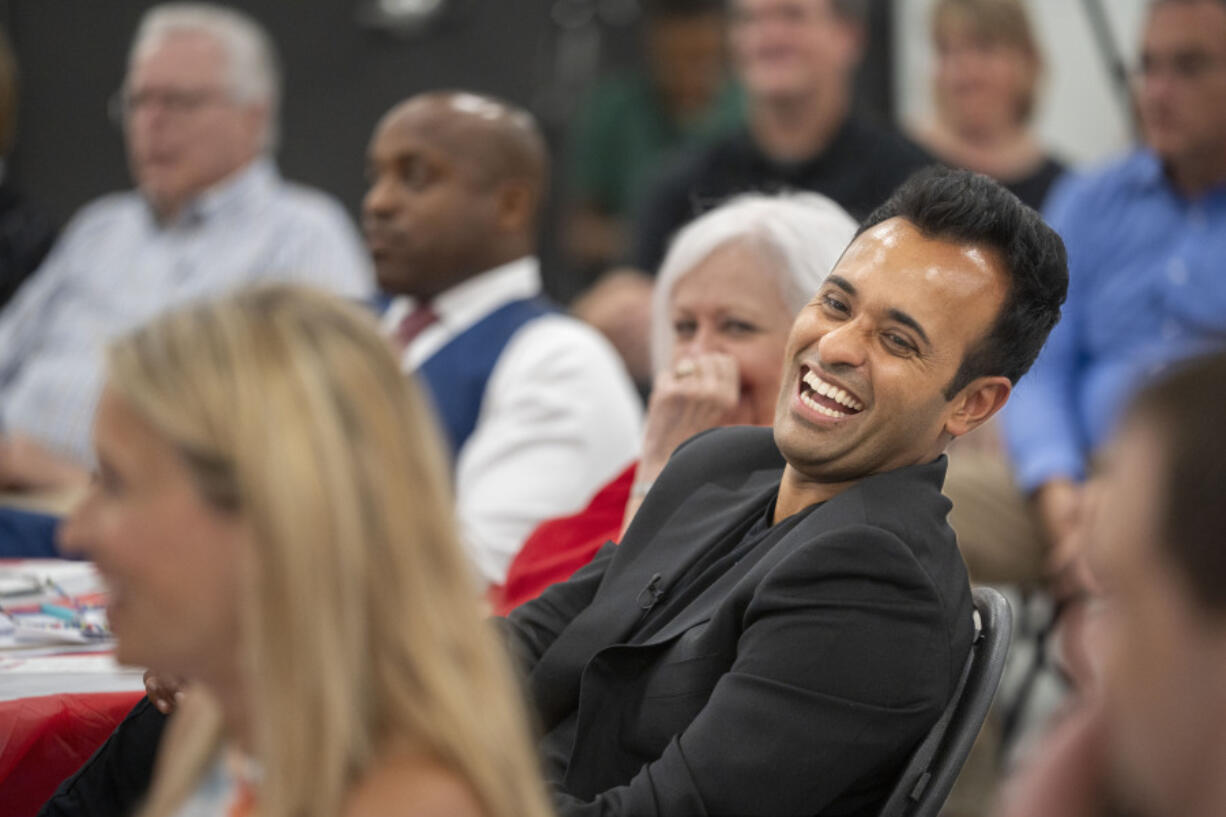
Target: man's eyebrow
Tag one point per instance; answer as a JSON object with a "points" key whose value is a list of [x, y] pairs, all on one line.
{"points": [[907, 320], [842, 283]]}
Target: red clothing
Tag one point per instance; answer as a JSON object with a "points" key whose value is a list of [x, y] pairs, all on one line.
{"points": [[558, 547]]}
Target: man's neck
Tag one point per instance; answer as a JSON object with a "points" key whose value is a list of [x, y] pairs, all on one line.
{"points": [[1195, 176], [797, 492], [797, 128], [169, 211]]}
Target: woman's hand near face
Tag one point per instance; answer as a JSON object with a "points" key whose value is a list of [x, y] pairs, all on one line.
{"points": [[699, 392], [164, 691]]}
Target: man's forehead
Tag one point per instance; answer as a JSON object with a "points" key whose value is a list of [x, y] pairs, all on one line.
{"points": [[178, 52], [401, 125], [895, 260], [1186, 26]]}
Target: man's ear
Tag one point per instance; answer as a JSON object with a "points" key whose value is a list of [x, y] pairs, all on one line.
{"points": [[517, 203], [976, 403], [257, 122]]}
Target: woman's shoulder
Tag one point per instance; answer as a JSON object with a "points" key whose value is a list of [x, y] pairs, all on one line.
{"points": [[412, 785]]}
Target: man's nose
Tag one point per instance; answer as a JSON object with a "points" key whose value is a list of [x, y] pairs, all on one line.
{"points": [[844, 345], [379, 199]]}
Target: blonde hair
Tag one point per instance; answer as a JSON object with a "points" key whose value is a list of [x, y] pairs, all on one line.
{"points": [[361, 629], [998, 21]]}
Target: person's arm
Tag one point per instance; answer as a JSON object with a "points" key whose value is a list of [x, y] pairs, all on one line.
{"points": [[116, 779], [23, 316], [533, 626], [558, 420], [26, 465], [844, 662], [1041, 426], [699, 393]]}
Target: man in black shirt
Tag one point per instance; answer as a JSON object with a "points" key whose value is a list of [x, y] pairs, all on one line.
{"points": [[797, 61]]}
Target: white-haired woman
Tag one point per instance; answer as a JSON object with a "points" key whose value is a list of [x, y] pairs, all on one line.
{"points": [[724, 301], [273, 520]]}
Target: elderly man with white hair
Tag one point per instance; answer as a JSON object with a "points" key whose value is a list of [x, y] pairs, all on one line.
{"points": [[209, 213]]}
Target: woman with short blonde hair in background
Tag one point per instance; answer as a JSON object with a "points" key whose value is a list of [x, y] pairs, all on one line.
{"points": [[985, 88], [273, 519]]}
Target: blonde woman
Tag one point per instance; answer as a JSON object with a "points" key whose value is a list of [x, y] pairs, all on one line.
{"points": [[986, 84], [272, 517]]}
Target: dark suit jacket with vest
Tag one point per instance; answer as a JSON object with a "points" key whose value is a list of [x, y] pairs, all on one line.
{"points": [[796, 684]]}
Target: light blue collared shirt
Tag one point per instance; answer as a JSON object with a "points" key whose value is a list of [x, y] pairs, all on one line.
{"points": [[116, 267], [1147, 287]]}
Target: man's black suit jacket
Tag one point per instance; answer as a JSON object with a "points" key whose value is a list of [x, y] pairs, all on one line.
{"points": [[796, 684]]}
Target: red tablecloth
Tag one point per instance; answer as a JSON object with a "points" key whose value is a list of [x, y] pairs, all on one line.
{"points": [[44, 740]]}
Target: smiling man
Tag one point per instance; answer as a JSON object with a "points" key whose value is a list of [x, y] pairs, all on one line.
{"points": [[788, 613]]}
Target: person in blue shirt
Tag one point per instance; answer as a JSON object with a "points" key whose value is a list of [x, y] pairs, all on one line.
{"points": [[1146, 239]]}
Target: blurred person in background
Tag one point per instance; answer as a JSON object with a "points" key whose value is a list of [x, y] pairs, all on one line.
{"points": [[272, 518], [209, 213], [796, 60], [26, 232], [538, 411], [985, 89], [680, 98], [1149, 735], [1146, 236], [727, 292]]}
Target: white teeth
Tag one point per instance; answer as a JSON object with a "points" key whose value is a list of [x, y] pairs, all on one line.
{"points": [[832, 392], [819, 408]]}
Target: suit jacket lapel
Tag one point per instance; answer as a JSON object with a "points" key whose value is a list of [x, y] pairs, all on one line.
{"points": [[694, 523]]}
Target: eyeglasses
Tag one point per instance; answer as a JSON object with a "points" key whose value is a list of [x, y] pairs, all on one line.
{"points": [[1186, 66], [126, 103]]}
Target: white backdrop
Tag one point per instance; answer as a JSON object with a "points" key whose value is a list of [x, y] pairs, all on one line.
{"points": [[1078, 115]]}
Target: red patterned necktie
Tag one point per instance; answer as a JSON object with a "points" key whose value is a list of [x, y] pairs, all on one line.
{"points": [[414, 323]]}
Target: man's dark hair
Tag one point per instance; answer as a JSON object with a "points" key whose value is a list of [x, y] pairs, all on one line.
{"points": [[1185, 409], [970, 208]]}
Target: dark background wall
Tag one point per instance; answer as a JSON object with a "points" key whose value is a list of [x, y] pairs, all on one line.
{"points": [[340, 75]]}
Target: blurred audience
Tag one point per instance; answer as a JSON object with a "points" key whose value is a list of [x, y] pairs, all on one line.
{"points": [[209, 213], [796, 60], [804, 579], [1146, 237], [680, 98], [26, 232], [538, 410], [985, 89], [1149, 737], [281, 593], [726, 295]]}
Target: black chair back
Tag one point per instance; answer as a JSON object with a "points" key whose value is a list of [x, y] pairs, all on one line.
{"points": [[934, 765]]}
